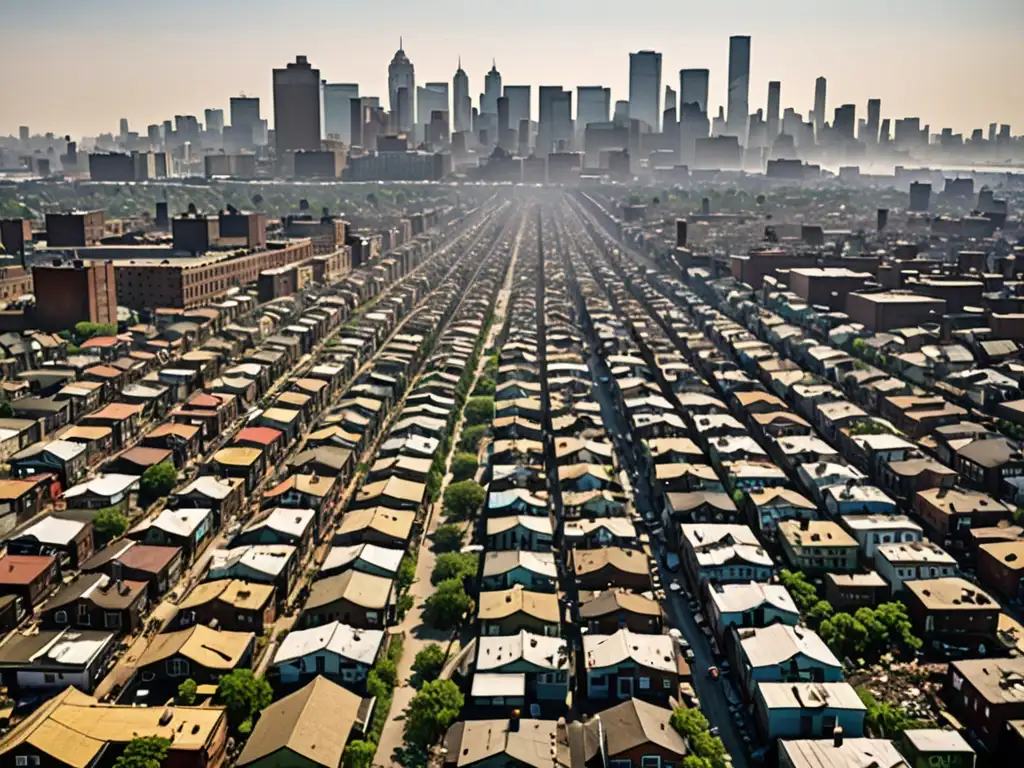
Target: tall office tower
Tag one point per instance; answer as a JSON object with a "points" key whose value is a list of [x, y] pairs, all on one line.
{"points": [[214, 120], [1004, 133], [168, 131], [523, 149], [670, 99], [593, 105], [187, 128], [153, 136], [296, 107], [820, 86], [431, 98], [461, 103], [845, 121], [693, 88], [337, 110], [552, 116], [621, 114], [402, 74], [23, 135], [992, 127], [245, 118], [518, 104], [873, 121], [739, 87], [774, 96], [505, 134], [123, 129], [561, 109], [883, 132], [645, 88], [492, 91]]}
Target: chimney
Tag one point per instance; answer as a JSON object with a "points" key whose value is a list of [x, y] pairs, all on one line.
{"points": [[837, 736], [513, 722]]}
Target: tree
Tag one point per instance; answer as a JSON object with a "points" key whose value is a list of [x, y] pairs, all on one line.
{"points": [[86, 330], [485, 387], [882, 719], [6, 409], [109, 523], [479, 410], [860, 348], [803, 592], [463, 499], [693, 761], [445, 608], [359, 754], [709, 747], [187, 692], [243, 694], [455, 565], [869, 427], [406, 573], [387, 671], [158, 481], [432, 711], [429, 662], [820, 611], [464, 466], [844, 634], [144, 752], [471, 437], [448, 538], [688, 722]]}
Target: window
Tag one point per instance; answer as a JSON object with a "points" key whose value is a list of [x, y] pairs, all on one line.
{"points": [[177, 667], [666, 684], [645, 683], [61, 617], [112, 620], [49, 677], [83, 614], [621, 764], [650, 761]]}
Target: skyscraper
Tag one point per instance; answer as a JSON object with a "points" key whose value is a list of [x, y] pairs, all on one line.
{"points": [[670, 98], [645, 88], [518, 104], [593, 105], [401, 74], [462, 105], [338, 110], [774, 95], [214, 120], [820, 86], [492, 91], [296, 107], [738, 104], [245, 119], [432, 97], [693, 88], [555, 121], [845, 121], [873, 122]]}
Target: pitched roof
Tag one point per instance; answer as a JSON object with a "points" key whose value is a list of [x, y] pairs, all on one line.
{"points": [[362, 589], [652, 651], [500, 604], [635, 723], [206, 647], [361, 645]]}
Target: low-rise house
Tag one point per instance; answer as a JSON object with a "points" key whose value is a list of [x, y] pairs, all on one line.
{"points": [[600, 532], [780, 653], [188, 529], [30, 577], [100, 730], [235, 606], [294, 527], [367, 558], [898, 563], [124, 419], [275, 564], [245, 463], [394, 493], [537, 663], [904, 479], [522, 532], [517, 501], [793, 452], [135, 461], [985, 695], [839, 751], [818, 546], [686, 478], [69, 540], [768, 507], [611, 567], [935, 746], [516, 743], [223, 496], [814, 710], [510, 611], [376, 525], [872, 452], [68, 461], [723, 554], [586, 477], [697, 507], [986, 464], [199, 653], [594, 504], [954, 612], [626, 665], [949, 514], [48, 661], [750, 605], [872, 530], [818, 477], [1001, 568], [271, 442], [308, 728], [357, 599], [103, 491], [96, 601], [21, 500], [854, 590], [607, 611], [535, 571], [306, 491], [336, 651], [160, 567], [856, 498], [327, 461]]}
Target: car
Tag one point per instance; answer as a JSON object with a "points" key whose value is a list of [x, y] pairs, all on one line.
{"points": [[689, 655]]}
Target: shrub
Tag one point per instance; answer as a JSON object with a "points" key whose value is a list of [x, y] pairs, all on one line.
{"points": [[448, 538], [464, 466]]}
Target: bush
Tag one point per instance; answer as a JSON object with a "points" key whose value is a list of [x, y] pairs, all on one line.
{"points": [[463, 499], [471, 437], [86, 330], [157, 481], [448, 538], [479, 410], [432, 711], [243, 694], [445, 608], [406, 574], [429, 662], [803, 592], [359, 754], [455, 565], [187, 692], [144, 752], [688, 722], [485, 387], [109, 523], [882, 719], [464, 466]]}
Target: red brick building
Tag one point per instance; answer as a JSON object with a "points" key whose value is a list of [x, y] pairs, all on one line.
{"points": [[66, 295], [887, 310]]}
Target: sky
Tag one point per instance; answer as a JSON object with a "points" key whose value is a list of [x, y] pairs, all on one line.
{"points": [[78, 67]]}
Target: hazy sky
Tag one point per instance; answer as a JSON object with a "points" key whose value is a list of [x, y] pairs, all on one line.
{"points": [[76, 66]]}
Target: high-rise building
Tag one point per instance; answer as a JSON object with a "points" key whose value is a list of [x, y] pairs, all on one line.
{"points": [[873, 121], [431, 98], [693, 88], [296, 108], [555, 120], [670, 98], [462, 105], [593, 105], [738, 104], [338, 111], [402, 74], [621, 114], [245, 119], [772, 118], [123, 129], [492, 91], [214, 120], [153, 135], [645, 88], [820, 88], [845, 121], [518, 104]]}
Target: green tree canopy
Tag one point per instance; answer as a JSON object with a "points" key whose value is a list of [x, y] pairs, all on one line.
{"points": [[243, 694], [688, 722], [158, 481], [86, 330], [444, 609], [464, 466], [109, 523], [144, 752], [804, 594], [6, 409], [463, 499], [429, 662], [448, 538], [471, 437], [359, 754], [432, 711], [479, 410], [187, 692], [455, 565], [844, 634]]}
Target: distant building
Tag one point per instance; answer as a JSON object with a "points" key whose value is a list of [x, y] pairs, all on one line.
{"points": [[72, 293], [74, 229], [296, 107]]}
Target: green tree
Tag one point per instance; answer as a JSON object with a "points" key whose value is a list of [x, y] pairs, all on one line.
{"points": [[464, 466], [455, 565], [820, 611], [387, 672], [445, 608], [479, 410], [844, 634], [109, 523], [688, 722], [86, 330], [471, 437], [243, 694], [157, 481], [803, 592], [869, 427], [187, 692], [144, 752], [485, 387], [429, 662], [406, 573], [693, 761], [463, 499], [432, 711], [448, 538], [6, 409], [709, 747], [882, 719], [359, 754]]}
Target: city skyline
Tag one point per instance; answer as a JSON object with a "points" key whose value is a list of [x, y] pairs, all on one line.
{"points": [[913, 75]]}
